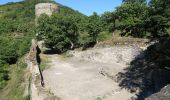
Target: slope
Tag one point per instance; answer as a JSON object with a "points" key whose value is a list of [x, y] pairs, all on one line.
{"points": [[17, 28]]}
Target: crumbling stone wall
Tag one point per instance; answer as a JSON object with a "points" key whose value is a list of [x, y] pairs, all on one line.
{"points": [[38, 91], [37, 88], [46, 8]]}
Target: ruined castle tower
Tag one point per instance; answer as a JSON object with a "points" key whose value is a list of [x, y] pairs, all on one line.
{"points": [[46, 8]]}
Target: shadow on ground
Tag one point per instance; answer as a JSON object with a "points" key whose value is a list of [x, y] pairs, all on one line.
{"points": [[149, 71], [51, 51]]}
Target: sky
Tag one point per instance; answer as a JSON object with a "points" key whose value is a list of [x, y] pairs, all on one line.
{"points": [[86, 7]]}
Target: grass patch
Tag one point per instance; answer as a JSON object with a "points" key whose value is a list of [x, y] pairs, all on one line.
{"points": [[65, 55], [58, 98], [128, 40], [168, 30], [104, 36], [15, 88], [123, 41], [44, 62], [98, 98]]}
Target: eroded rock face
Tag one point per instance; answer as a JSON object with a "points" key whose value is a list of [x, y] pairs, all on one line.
{"points": [[164, 94], [46, 8], [118, 54]]}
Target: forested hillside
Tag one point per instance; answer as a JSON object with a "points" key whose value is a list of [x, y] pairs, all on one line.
{"points": [[16, 31], [135, 18], [17, 28]]}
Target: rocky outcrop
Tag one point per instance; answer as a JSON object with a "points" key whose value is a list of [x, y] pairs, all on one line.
{"points": [[149, 73], [164, 94], [119, 54], [45, 8]]}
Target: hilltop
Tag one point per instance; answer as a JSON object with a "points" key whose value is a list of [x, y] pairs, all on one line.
{"points": [[17, 28]]}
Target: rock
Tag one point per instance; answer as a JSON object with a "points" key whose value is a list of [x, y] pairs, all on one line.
{"points": [[163, 94], [37, 90], [46, 8], [119, 54]]}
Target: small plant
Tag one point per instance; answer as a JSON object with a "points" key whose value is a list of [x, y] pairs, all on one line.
{"points": [[44, 62], [98, 98], [66, 55], [58, 98], [104, 36]]}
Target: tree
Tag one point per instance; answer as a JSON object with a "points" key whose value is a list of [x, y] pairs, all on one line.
{"points": [[131, 17], [109, 20], [43, 26], [158, 19], [94, 27], [139, 19], [59, 32]]}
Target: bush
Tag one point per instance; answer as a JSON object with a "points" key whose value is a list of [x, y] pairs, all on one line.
{"points": [[59, 32], [104, 36]]}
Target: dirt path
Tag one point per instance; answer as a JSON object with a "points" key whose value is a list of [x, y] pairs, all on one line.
{"points": [[78, 79]]}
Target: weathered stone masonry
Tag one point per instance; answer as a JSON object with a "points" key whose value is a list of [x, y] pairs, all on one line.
{"points": [[46, 8], [38, 90]]}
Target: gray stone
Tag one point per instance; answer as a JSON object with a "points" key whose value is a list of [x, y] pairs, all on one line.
{"points": [[46, 8], [163, 94]]}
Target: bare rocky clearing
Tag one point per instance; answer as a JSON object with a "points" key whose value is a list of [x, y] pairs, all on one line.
{"points": [[89, 74]]}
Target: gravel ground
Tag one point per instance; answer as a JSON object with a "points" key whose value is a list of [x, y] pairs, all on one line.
{"points": [[89, 74]]}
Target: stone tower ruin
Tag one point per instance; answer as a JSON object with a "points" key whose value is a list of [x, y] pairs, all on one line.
{"points": [[46, 8]]}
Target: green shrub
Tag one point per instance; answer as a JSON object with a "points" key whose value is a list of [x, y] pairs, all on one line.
{"points": [[104, 36]]}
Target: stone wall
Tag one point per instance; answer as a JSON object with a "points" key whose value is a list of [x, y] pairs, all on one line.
{"points": [[46, 8], [38, 90], [37, 87]]}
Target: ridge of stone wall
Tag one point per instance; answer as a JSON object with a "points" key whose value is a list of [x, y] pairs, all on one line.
{"points": [[37, 88], [38, 91]]}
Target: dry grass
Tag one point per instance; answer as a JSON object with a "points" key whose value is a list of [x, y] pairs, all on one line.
{"points": [[168, 30], [15, 88], [44, 62], [65, 55], [117, 40]]}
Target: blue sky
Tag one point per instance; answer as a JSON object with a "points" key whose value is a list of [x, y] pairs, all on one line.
{"points": [[6, 1], [89, 6], [86, 7]]}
